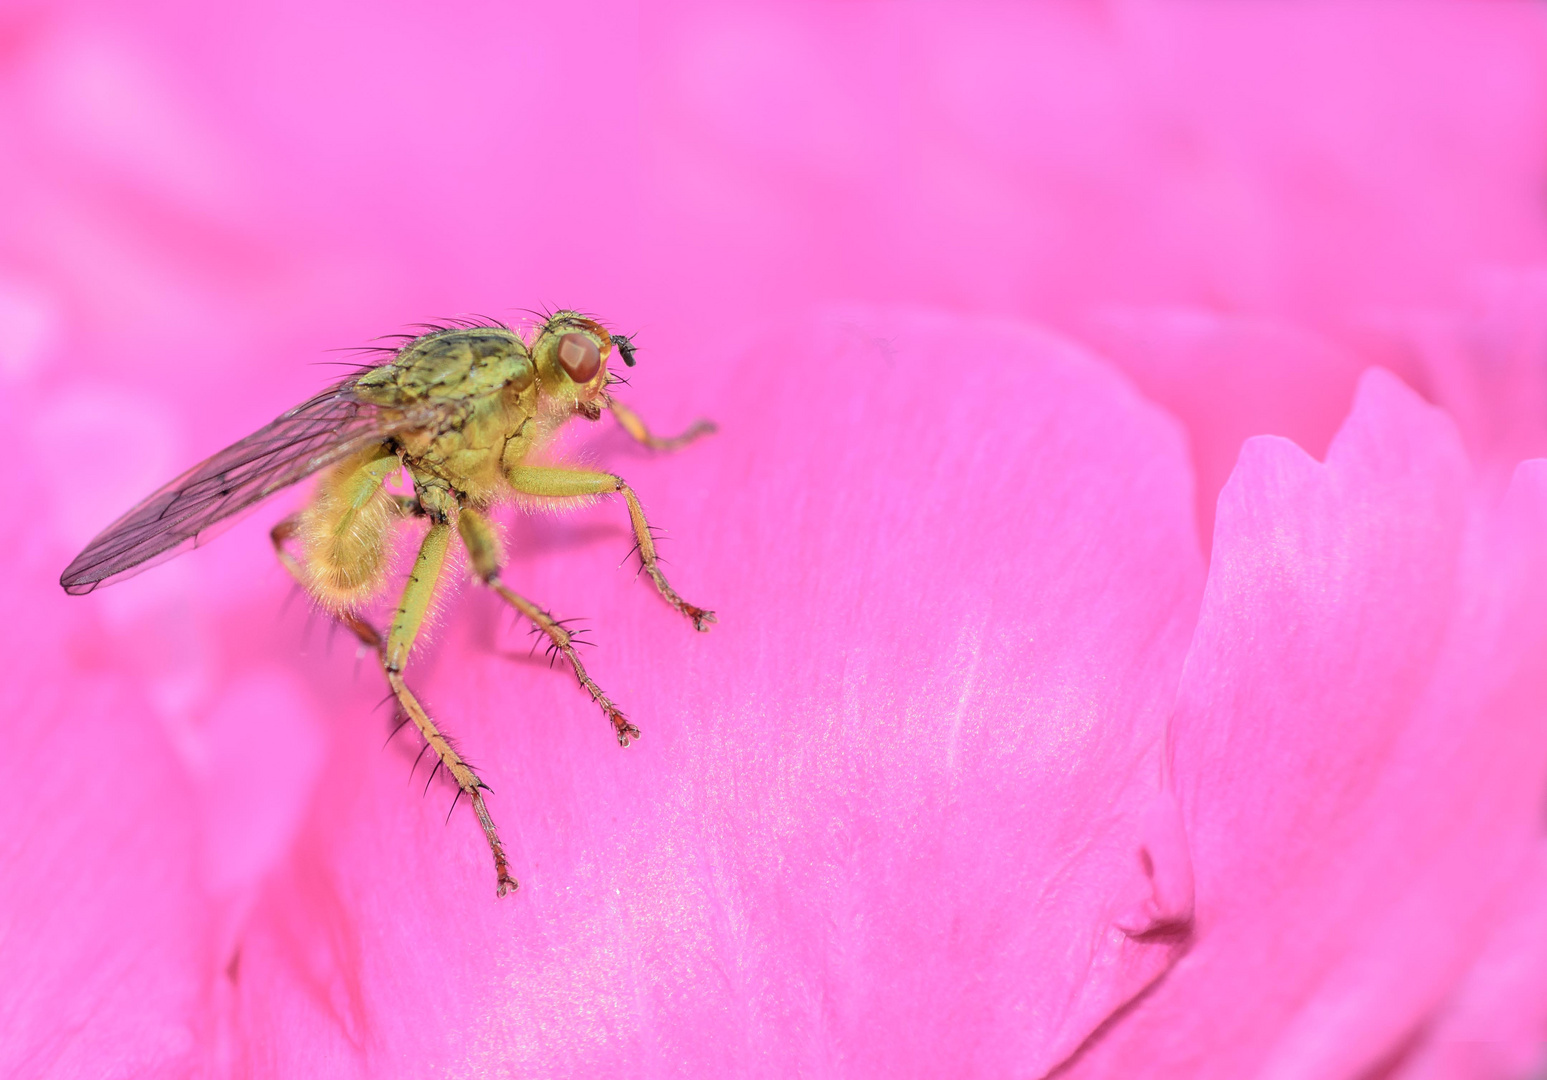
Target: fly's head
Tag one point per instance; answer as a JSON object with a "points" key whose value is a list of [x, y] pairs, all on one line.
{"points": [[571, 353]]}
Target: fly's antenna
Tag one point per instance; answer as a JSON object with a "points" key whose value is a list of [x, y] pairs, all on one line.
{"points": [[625, 346]]}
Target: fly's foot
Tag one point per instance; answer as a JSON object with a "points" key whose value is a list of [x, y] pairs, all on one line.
{"points": [[474, 787], [507, 884], [625, 731], [504, 884], [701, 617], [561, 643]]}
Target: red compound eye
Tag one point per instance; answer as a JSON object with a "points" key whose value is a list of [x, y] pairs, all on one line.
{"points": [[579, 356]]}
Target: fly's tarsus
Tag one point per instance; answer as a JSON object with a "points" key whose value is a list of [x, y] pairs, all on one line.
{"points": [[504, 883], [483, 549], [650, 559], [468, 782], [561, 642]]}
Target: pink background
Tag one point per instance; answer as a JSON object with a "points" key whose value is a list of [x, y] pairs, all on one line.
{"points": [[1126, 528]]}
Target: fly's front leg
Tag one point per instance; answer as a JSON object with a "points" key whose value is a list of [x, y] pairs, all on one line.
{"points": [[394, 657], [281, 535], [631, 422], [555, 482], [483, 547]]}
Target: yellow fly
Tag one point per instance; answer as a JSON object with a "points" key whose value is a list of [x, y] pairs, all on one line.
{"points": [[463, 409]]}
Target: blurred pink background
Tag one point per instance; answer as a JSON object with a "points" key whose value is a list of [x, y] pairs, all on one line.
{"points": [[1046, 729]]}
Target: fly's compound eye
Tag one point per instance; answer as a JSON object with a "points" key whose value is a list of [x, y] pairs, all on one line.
{"points": [[579, 356]]}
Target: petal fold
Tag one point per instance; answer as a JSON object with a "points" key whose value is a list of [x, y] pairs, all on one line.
{"points": [[1359, 751]]}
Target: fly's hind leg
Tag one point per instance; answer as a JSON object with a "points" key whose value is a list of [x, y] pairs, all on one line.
{"points": [[483, 547], [558, 482], [394, 657], [344, 533], [280, 536]]}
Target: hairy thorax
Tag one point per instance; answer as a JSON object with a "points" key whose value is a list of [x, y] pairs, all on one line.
{"points": [[489, 376]]}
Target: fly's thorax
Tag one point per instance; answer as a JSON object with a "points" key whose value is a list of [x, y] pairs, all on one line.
{"points": [[487, 374], [459, 365], [468, 456], [530, 438]]}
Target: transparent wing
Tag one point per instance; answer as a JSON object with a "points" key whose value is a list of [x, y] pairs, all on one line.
{"points": [[321, 432]]}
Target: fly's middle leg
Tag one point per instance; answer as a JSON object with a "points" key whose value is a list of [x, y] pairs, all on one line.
{"points": [[483, 548], [394, 658]]}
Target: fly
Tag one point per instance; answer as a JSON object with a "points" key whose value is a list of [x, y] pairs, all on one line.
{"points": [[465, 411]]}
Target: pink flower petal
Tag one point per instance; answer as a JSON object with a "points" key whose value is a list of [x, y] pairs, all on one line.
{"points": [[896, 779], [1495, 1022], [105, 934], [905, 804], [1358, 749]]}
